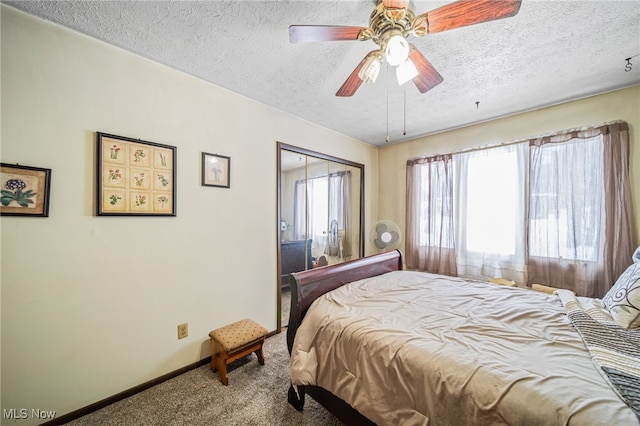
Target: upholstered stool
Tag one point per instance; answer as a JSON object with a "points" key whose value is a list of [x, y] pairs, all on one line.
{"points": [[233, 342]]}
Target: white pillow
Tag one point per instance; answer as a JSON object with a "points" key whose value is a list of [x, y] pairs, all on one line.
{"points": [[623, 299], [636, 255]]}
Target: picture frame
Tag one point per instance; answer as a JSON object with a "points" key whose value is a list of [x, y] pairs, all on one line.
{"points": [[134, 177], [25, 190], [216, 170]]}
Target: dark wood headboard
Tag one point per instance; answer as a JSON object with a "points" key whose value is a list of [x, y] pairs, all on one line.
{"points": [[307, 286]]}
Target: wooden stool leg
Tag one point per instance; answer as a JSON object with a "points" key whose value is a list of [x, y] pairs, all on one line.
{"points": [[260, 354], [214, 350], [221, 360]]}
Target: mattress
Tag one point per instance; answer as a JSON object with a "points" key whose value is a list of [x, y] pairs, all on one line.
{"points": [[417, 348]]}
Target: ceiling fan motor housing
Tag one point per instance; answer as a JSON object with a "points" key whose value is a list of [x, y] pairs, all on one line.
{"points": [[387, 22]]}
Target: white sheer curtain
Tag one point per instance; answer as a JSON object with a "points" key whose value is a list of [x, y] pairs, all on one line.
{"points": [[580, 225], [311, 211], [300, 210], [317, 202], [566, 202], [553, 210], [490, 225], [318, 211], [430, 244], [339, 201]]}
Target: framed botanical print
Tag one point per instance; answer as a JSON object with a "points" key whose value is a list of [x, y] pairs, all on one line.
{"points": [[25, 190], [216, 170], [134, 177]]}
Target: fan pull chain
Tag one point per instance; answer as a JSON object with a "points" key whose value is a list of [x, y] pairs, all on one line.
{"points": [[404, 112], [387, 140]]}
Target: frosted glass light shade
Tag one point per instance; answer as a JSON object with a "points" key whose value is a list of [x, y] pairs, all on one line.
{"points": [[397, 50], [406, 71], [371, 68]]}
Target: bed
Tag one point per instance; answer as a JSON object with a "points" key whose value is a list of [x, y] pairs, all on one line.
{"points": [[378, 345]]}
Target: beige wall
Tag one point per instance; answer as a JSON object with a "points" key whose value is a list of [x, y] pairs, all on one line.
{"points": [[619, 105], [90, 305]]}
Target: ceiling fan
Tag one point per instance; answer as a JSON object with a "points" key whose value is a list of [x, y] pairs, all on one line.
{"points": [[391, 22]]}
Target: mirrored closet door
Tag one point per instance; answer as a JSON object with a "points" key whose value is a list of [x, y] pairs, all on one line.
{"points": [[320, 210]]}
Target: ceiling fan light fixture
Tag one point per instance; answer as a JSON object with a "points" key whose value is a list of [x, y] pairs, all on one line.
{"points": [[406, 71], [371, 68], [390, 23], [396, 50]]}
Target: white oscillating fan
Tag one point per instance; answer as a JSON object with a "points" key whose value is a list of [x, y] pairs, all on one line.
{"points": [[334, 240], [385, 236]]}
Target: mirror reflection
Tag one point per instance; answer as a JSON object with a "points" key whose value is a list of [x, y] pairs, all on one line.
{"points": [[320, 212]]}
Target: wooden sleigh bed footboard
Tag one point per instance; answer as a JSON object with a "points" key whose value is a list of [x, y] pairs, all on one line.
{"points": [[306, 287]]}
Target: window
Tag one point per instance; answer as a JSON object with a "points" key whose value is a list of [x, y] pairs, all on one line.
{"points": [[491, 200], [554, 210], [318, 201], [438, 231], [565, 199], [430, 213], [489, 203]]}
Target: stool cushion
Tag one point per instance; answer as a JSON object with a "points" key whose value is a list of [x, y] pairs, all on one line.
{"points": [[238, 334]]}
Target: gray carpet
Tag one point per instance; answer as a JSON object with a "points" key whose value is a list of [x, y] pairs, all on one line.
{"points": [[256, 395]]}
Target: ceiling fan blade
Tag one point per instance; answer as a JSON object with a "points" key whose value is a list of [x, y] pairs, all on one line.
{"points": [[353, 82], [308, 33], [468, 12], [427, 77]]}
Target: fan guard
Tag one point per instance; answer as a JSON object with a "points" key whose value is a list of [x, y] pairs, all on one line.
{"points": [[333, 234], [385, 236]]}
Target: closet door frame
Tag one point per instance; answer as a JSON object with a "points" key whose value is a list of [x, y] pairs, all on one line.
{"points": [[360, 228]]}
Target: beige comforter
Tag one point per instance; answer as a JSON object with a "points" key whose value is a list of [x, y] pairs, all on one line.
{"points": [[411, 348]]}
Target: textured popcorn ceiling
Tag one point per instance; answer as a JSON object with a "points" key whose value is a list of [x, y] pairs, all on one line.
{"points": [[550, 52]]}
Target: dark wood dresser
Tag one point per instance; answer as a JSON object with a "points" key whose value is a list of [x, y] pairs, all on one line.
{"points": [[293, 255]]}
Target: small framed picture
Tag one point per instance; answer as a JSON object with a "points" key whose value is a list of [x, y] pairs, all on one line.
{"points": [[134, 177], [216, 170], [25, 190]]}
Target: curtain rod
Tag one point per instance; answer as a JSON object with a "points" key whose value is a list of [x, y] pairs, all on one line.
{"points": [[513, 142]]}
